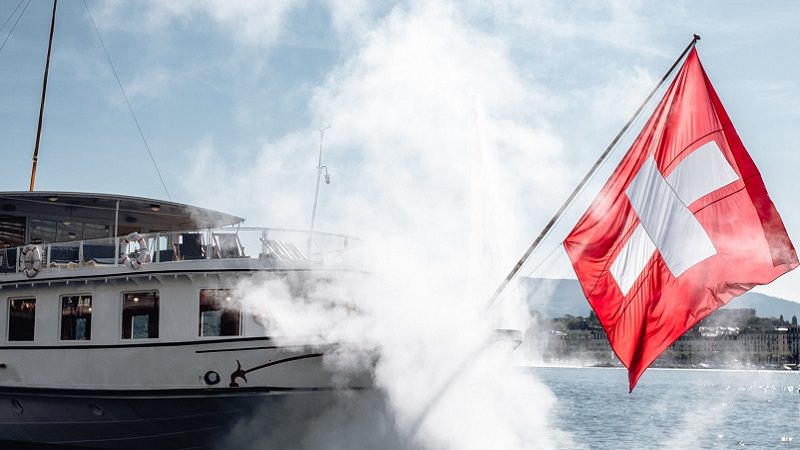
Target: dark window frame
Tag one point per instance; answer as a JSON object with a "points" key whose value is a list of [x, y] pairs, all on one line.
{"points": [[20, 328], [229, 306], [148, 304], [69, 322]]}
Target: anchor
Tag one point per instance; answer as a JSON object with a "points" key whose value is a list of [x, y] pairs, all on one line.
{"points": [[239, 373]]}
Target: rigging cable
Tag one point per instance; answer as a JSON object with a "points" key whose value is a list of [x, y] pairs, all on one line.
{"points": [[15, 22], [124, 95]]}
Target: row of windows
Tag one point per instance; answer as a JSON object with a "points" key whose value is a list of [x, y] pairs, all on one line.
{"points": [[219, 315], [12, 230]]}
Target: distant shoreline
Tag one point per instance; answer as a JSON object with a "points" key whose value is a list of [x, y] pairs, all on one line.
{"points": [[621, 367]]}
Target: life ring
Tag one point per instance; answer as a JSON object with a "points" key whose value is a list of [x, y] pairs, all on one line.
{"points": [[141, 252], [31, 260]]}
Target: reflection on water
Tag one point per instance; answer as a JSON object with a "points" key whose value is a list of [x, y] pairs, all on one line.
{"points": [[672, 408]]}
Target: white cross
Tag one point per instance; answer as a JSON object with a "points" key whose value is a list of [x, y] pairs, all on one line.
{"points": [[665, 222]]}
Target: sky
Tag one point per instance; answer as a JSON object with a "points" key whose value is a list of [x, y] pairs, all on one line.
{"points": [[444, 116]]}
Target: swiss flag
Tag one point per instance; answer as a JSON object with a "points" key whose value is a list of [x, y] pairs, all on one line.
{"points": [[683, 226]]}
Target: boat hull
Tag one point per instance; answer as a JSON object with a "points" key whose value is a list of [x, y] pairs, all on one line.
{"points": [[201, 419]]}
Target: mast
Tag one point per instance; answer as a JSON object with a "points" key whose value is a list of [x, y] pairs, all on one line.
{"points": [[316, 192], [44, 94]]}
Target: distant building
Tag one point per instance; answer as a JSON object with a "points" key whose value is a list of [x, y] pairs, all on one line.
{"points": [[727, 338]]}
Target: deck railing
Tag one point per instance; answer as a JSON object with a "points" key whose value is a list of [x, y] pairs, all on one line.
{"points": [[162, 248]]}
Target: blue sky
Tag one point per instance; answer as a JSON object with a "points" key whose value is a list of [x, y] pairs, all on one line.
{"points": [[449, 120]]}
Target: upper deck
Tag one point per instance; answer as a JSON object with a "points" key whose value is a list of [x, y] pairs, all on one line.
{"points": [[47, 235]]}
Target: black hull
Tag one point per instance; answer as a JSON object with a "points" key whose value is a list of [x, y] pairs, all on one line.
{"points": [[199, 420]]}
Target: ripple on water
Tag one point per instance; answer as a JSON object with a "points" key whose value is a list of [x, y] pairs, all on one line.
{"points": [[676, 409]]}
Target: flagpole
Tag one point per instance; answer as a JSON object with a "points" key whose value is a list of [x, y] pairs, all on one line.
{"points": [[549, 226]]}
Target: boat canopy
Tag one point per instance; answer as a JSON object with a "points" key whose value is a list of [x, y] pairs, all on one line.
{"points": [[104, 214]]}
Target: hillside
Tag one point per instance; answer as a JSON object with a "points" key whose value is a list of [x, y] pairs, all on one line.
{"points": [[558, 297]]}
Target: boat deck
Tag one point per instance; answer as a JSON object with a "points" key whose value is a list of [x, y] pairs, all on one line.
{"points": [[230, 247]]}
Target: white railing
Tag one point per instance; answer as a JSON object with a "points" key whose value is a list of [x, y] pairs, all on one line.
{"points": [[162, 248]]}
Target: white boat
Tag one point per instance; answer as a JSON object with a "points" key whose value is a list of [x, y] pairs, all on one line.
{"points": [[121, 325], [124, 324]]}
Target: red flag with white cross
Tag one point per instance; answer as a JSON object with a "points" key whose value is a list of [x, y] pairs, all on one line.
{"points": [[683, 226]]}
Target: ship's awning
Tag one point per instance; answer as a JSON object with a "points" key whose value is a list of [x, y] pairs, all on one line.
{"points": [[155, 215]]}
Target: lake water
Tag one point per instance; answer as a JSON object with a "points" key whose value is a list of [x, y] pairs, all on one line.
{"points": [[676, 409]]}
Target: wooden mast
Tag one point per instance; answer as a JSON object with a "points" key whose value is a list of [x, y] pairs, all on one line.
{"points": [[44, 94]]}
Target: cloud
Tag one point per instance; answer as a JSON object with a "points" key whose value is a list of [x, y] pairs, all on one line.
{"points": [[407, 109], [150, 84], [249, 22]]}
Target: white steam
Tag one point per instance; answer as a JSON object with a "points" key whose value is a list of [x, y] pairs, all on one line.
{"points": [[436, 135], [426, 149]]}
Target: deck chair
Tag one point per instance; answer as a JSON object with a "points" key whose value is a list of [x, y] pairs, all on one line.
{"points": [[191, 247], [98, 252], [170, 254], [229, 246], [60, 254], [282, 250]]}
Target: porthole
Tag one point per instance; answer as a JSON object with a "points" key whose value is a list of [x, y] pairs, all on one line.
{"points": [[211, 378]]}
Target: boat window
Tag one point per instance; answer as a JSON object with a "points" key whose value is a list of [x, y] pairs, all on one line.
{"points": [[12, 231], [140, 315], [76, 317], [69, 231], [43, 230], [220, 313], [95, 231], [21, 319]]}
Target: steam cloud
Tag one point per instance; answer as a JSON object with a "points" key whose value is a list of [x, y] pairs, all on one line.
{"points": [[426, 148], [436, 133]]}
